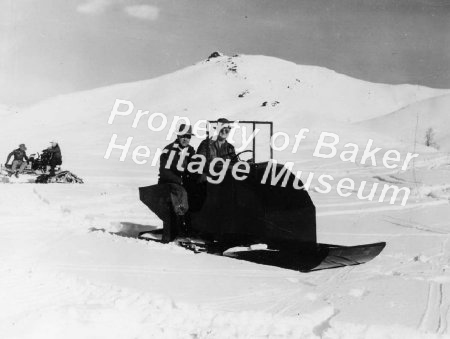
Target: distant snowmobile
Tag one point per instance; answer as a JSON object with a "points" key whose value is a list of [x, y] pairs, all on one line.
{"points": [[236, 213], [36, 171]]}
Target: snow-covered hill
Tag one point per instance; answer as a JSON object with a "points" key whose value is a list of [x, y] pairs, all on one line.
{"points": [[72, 267], [411, 123], [240, 87]]}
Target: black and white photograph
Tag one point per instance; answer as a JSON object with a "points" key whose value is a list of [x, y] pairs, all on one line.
{"points": [[224, 169]]}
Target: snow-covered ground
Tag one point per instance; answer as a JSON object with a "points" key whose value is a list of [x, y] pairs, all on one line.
{"points": [[72, 266]]}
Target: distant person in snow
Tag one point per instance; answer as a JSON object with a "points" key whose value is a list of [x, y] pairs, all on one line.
{"points": [[54, 156], [172, 172], [18, 164]]}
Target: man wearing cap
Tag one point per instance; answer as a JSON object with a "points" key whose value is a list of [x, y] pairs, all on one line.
{"points": [[55, 156], [172, 171], [175, 157], [18, 164], [219, 147]]}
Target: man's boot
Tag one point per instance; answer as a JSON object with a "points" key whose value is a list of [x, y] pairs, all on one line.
{"points": [[166, 235], [16, 174], [184, 224], [169, 227]]}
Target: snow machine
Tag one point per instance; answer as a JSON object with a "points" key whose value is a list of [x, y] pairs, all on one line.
{"points": [[236, 213], [36, 172]]}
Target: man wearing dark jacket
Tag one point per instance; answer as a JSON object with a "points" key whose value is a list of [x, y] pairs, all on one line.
{"points": [[18, 164], [172, 171], [171, 168], [219, 147], [55, 156]]}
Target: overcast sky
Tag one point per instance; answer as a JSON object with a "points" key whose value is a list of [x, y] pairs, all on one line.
{"points": [[51, 47]]}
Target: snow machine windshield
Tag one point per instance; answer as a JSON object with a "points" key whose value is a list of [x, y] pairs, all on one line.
{"points": [[251, 139]]}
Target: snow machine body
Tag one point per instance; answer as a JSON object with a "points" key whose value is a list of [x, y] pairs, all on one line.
{"points": [[250, 212], [236, 213]]}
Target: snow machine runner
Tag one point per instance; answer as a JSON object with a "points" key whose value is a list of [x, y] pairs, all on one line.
{"points": [[239, 214]]}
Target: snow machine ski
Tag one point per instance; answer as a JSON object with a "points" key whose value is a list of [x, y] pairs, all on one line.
{"points": [[236, 213]]}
